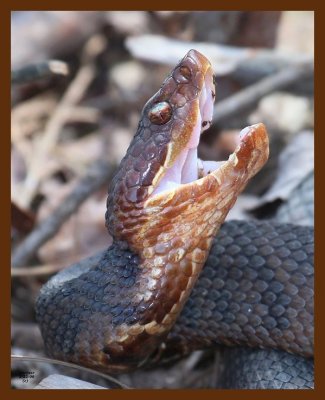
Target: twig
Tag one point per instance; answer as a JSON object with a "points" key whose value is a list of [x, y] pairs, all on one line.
{"points": [[192, 360], [35, 271], [37, 71], [82, 265], [72, 96], [84, 114], [98, 175], [70, 365], [252, 94], [224, 59]]}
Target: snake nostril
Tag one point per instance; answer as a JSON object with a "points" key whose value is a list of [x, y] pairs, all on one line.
{"points": [[182, 74], [160, 113], [185, 71]]}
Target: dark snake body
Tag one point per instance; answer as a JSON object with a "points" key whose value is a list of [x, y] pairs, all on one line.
{"points": [[255, 290]]}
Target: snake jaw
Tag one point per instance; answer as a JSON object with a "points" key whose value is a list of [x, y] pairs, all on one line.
{"points": [[247, 159], [202, 205]]}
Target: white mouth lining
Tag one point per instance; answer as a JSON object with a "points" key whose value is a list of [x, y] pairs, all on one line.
{"points": [[188, 167]]}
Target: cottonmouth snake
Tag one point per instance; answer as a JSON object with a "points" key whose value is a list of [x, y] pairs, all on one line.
{"points": [[127, 306]]}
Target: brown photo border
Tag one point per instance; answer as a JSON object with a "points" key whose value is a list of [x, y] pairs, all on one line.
{"points": [[5, 10]]}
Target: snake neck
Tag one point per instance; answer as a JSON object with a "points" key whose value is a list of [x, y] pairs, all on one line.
{"points": [[155, 287], [129, 301]]}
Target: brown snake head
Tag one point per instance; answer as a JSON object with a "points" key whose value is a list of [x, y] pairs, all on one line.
{"points": [[159, 176]]}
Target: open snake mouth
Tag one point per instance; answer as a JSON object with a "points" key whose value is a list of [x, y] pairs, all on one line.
{"points": [[187, 167], [161, 171]]}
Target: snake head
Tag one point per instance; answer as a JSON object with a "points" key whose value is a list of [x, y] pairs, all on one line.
{"points": [[161, 185]]}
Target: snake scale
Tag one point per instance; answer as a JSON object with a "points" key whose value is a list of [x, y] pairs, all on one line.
{"points": [[148, 295]]}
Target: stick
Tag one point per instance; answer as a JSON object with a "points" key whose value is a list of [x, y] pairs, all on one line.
{"points": [[98, 175], [224, 59], [249, 96], [72, 96], [35, 271], [37, 71]]}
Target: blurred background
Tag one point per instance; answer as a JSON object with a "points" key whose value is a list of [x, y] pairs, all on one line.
{"points": [[79, 82]]}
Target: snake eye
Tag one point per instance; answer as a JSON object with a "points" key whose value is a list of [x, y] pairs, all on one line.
{"points": [[160, 113]]}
